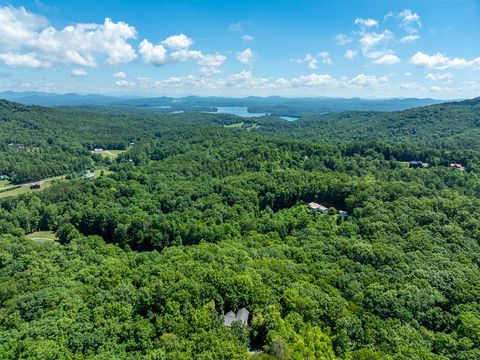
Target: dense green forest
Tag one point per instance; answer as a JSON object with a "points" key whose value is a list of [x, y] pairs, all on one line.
{"points": [[206, 213]]}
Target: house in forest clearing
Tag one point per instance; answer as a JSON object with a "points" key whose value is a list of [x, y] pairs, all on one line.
{"points": [[36, 185], [317, 207], [343, 214], [4, 177], [90, 175], [456, 166], [241, 316], [418, 164]]}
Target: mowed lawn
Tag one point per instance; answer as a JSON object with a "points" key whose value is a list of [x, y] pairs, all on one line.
{"points": [[110, 153], [42, 236], [23, 189]]}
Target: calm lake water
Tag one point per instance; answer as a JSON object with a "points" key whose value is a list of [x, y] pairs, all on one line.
{"points": [[243, 111]]}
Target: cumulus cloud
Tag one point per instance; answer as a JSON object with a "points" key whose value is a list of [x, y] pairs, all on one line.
{"points": [[78, 73], [371, 81], [122, 83], [176, 48], [442, 62], [177, 42], [120, 75], [411, 86], [325, 56], [246, 56], [366, 22], [30, 60], [370, 41], [211, 63], [153, 54], [387, 59], [312, 61], [342, 39], [247, 37], [29, 41], [440, 77], [350, 54]]}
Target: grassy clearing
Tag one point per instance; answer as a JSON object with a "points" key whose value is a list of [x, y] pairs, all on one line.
{"points": [[110, 153], [25, 188], [98, 172], [236, 125], [4, 183], [42, 236]]}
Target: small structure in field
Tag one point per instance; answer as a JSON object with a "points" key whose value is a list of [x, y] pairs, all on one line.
{"points": [[16, 145], [456, 166], [418, 164], [36, 185], [98, 150], [317, 207], [4, 177], [90, 175], [241, 316]]}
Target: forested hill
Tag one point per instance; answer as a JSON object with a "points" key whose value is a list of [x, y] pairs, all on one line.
{"points": [[444, 126], [190, 216]]}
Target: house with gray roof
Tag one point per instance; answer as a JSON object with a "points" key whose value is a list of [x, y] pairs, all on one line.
{"points": [[241, 316]]}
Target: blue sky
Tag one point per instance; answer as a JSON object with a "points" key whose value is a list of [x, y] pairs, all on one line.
{"points": [[371, 49]]}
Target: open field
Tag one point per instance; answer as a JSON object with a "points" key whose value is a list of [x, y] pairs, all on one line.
{"points": [[110, 153], [19, 189], [236, 125], [42, 236]]}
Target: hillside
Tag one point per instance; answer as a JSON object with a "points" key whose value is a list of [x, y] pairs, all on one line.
{"points": [[197, 215]]}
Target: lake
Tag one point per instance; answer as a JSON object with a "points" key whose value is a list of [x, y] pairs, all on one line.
{"points": [[243, 111]]}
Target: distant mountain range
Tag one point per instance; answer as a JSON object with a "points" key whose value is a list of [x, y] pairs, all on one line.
{"points": [[273, 104]]}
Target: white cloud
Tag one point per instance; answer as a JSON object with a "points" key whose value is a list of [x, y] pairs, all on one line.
{"points": [[78, 73], [411, 86], [312, 80], [388, 59], [24, 60], [211, 64], [153, 54], [179, 51], [408, 39], [366, 22], [120, 75], [212, 60], [441, 62], [247, 37], [369, 42], [210, 70], [407, 74], [177, 42], [326, 58], [371, 81], [410, 21], [246, 56], [28, 40], [440, 77], [122, 83], [350, 54], [342, 39], [312, 61], [436, 88]]}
